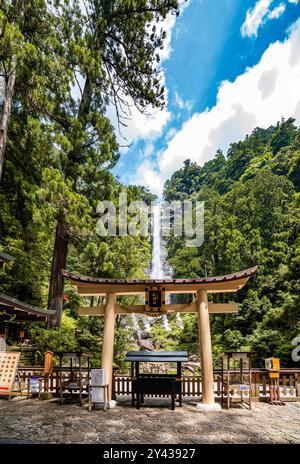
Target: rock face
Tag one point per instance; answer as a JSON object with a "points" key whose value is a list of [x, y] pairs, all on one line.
{"points": [[35, 421], [145, 345], [192, 367], [141, 335], [144, 341]]}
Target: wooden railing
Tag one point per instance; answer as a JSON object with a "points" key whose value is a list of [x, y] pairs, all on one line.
{"points": [[192, 387], [26, 373], [289, 382]]}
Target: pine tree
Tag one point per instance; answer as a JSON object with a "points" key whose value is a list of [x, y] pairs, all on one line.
{"points": [[29, 64], [112, 47]]}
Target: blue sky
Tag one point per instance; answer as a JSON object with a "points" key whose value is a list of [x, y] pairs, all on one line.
{"points": [[225, 66]]}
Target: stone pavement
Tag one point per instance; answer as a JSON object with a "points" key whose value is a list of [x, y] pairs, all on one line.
{"points": [[23, 420]]}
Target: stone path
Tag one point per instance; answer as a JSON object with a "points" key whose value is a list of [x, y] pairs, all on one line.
{"points": [[23, 420]]}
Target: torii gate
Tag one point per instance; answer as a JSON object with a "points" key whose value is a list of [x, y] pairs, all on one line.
{"points": [[111, 288]]}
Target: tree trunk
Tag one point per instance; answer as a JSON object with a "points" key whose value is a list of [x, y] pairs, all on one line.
{"points": [[7, 104], [60, 254], [62, 238]]}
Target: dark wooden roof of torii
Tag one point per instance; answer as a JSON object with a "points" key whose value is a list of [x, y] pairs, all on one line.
{"points": [[99, 286]]}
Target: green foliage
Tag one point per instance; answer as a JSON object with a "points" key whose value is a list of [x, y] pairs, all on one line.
{"points": [[61, 146], [123, 342], [168, 340], [188, 339], [251, 217], [55, 340]]}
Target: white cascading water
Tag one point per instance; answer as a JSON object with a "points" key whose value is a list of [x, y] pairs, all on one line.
{"points": [[157, 268], [157, 272], [146, 324], [179, 321], [136, 325]]}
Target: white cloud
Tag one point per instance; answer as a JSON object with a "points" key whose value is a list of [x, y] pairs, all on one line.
{"points": [[148, 150], [255, 17], [148, 125], [267, 82], [295, 2], [183, 105], [260, 97], [167, 25], [278, 11], [148, 177], [170, 134], [259, 15]]}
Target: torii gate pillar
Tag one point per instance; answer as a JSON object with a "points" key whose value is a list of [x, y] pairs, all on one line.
{"points": [[108, 341], [208, 398]]}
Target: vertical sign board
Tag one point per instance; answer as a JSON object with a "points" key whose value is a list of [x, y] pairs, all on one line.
{"points": [[8, 369], [48, 364], [97, 378], [273, 366], [155, 300]]}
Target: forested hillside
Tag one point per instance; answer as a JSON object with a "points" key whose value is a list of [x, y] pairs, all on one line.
{"points": [[252, 203], [62, 65]]}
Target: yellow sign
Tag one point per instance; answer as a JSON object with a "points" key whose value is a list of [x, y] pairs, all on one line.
{"points": [[155, 300], [272, 363]]}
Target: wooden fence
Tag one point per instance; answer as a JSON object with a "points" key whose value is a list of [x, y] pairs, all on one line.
{"points": [[192, 387], [289, 382]]}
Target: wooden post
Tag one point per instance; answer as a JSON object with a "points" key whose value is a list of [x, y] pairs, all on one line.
{"points": [[207, 375], [108, 339], [60, 379]]}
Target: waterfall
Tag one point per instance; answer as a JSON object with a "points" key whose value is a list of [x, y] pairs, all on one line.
{"points": [[179, 321], [157, 268], [157, 271], [136, 326], [146, 324]]}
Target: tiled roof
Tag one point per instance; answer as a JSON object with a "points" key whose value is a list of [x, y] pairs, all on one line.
{"points": [[11, 306], [198, 280]]}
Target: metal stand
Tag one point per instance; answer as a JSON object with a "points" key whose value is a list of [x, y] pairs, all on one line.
{"points": [[236, 376]]}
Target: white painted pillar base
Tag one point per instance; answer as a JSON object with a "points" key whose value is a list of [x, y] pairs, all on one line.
{"points": [[112, 404], [212, 407]]}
